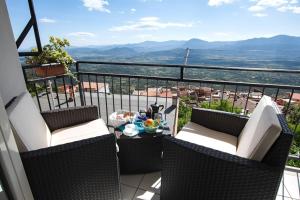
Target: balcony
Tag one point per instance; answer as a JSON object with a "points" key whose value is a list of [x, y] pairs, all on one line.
{"points": [[112, 91], [67, 146]]}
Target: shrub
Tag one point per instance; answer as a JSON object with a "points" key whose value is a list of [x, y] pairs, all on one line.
{"points": [[185, 110]]}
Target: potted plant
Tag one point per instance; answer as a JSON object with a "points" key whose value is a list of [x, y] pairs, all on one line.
{"points": [[53, 53]]}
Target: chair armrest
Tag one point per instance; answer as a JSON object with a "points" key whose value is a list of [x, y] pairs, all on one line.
{"points": [[225, 122], [62, 118], [86, 169], [192, 171]]}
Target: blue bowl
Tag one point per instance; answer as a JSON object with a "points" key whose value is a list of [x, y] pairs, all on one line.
{"points": [[150, 129]]}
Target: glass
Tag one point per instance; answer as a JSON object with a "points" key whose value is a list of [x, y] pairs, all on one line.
{"points": [[157, 117]]}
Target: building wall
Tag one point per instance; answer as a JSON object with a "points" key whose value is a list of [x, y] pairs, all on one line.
{"points": [[10, 160], [11, 84], [11, 78]]}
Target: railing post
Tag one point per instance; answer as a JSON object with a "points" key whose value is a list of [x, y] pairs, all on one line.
{"points": [[181, 72], [79, 84], [289, 103], [25, 75]]}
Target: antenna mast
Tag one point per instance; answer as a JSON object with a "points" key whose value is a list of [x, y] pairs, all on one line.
{"points": [[187, 53]]}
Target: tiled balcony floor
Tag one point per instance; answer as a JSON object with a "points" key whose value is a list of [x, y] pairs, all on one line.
{"points": [[141, 186], [147, 186], [289, 188]]}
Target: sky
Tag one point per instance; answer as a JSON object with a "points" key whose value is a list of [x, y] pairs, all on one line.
{"points": [[105, 22]]}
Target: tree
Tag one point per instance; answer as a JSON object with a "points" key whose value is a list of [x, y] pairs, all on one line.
{"points": [[294, 114], [223, 105]]}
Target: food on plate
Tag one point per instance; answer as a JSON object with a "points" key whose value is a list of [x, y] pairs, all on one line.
{"points": [[151, 123], [128, 114], [125, 115], [120, 116]]}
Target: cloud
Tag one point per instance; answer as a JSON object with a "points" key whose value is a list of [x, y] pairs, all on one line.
{"points": [[47, 20], [256, 8], [279, 5], [272, 3], [149, 19], [259, 7], [82, 34], [219, 2], [296, 10], [132, 10], [97, 5], [260, 15], [293, 9], [149, 23]]}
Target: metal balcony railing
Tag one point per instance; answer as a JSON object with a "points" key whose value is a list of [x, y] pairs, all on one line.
{"points": [[133, 86]]}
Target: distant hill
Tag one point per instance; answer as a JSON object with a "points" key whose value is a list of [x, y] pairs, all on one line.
{"points": [[196, 44], [276, 52], [125, 51], [280, 41], [280, 51]]}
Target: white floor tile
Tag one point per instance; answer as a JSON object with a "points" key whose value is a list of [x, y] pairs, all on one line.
{"points": [[280, 189], [131, 180], [151, 182], [291, 185], [283, 198], [127, 192], [149, 186], [146, 195]]}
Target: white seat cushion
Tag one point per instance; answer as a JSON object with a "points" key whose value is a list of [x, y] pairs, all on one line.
{"points": [[79, 132], [203, 136], [260, 132], [28, 123]]}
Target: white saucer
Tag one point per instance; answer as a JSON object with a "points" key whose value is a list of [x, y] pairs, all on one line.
{"points": [[130, 130]]}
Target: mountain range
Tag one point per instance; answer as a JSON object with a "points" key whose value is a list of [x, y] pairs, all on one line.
{"points": [[277, 42], [280, 51]]}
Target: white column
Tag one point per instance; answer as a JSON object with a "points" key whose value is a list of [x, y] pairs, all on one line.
{"points": [[10, 160], [11, 76], [11, 84]]}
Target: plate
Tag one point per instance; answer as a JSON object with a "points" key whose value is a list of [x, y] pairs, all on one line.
{"points": [[130, 130]]}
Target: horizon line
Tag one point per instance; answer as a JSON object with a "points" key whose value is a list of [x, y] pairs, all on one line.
{"points": [[185, 40]]}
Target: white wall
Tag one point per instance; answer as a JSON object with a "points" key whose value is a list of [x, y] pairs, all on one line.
{"points": [[10, 160], [11, 77], [11, 84]]}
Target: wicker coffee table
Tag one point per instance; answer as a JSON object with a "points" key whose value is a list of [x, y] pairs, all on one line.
{"points": [[141, 153]]}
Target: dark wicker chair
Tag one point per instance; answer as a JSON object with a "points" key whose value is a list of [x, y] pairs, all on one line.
{"points": [[86, 169], [193, 172]]}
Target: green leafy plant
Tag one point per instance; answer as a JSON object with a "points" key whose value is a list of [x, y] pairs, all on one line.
{"points": [[293, 118], [294, 114], [223, 105], [54, 52], [185, 110], [184, 114]]}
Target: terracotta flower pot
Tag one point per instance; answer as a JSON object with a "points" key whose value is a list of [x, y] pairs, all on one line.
{"points": [[53, 70]]}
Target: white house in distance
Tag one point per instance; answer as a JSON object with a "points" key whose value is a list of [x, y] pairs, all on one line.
{"points": [[87, 87]]}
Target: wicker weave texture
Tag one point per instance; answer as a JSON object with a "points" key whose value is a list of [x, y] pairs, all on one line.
{"points": [[192, 171], [140, 155], [221, 121], [62, 118], [86, 169]]}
